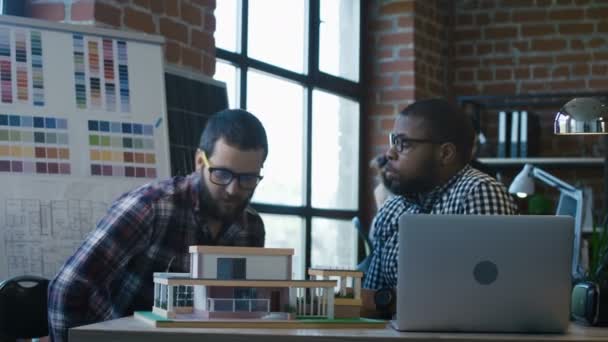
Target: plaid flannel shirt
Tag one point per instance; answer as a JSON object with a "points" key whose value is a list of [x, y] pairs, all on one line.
{"points": [[469, 192], [144, 231]]}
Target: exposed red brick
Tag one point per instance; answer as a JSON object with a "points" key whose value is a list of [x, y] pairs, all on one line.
{"points": [[600, 56], [561, 71], [174, 30], [596, 43], [569, 58], [482, 19], [567, 14], [209, 65], [484, 48], [172, 8], [529, 15], [83, 10], [468, 34], [406, 52], [568, 85], [522, 73], [465, 75], [202, 40], [139, 20], [191, 14], [209, 23], [382, 109], [142, 3], [533, 87], [392, 39], [398, 7], [602, 27], [600, 13], [406, 21], [537, 30], [517, 3], [382, 25], [464, 19], [172, 52], [397, 95], [210, 4], [576, 28], [502, 17], [157, 6], [548, 44], [500, 32], [599, 84], [47, 11], [406, 80], [577, 44], [465, 49], [499, 88], [535, 60], [503, 74], [192, 58], [484, 75], [395, 66], [540, 72], [108, 14], [580, 70]]}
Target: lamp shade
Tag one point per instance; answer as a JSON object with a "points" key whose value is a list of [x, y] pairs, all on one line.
{"points": [[582, 115], [523, 184]]}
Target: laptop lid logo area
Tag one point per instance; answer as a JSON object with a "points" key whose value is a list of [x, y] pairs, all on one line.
{"points": [[485, 272]]}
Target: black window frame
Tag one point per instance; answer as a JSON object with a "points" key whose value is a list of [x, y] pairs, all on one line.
{"points": [[311, 80]]}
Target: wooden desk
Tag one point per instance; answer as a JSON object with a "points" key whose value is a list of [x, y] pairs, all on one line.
{"points": [[129, 329]]}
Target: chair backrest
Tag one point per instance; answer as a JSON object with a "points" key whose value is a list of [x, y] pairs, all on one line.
{"points": [[23, 307]]}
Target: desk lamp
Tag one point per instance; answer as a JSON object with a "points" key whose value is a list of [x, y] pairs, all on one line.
{"points": [[570, 202]]}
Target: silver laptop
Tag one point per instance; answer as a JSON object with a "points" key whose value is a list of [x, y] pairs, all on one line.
{"points": [[473, 273]]}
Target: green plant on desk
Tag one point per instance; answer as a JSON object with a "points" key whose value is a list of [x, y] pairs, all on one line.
{"points": [[598, 260]]}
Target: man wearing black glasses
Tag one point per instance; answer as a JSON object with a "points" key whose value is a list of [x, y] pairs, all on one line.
{"points": [[428, 170], [150, 228]]}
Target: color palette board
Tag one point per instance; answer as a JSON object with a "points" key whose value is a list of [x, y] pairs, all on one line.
{"points": [[34, 145], [21, 66], [98, 64], [122, 149]]}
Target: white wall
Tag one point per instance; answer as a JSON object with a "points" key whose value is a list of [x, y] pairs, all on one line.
{"points": [[270, 267]]}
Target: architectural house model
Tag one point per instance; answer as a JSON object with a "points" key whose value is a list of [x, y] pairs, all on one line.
{"points": [[228, 285]]}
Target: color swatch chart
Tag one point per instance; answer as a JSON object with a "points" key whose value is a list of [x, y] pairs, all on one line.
{"points": [[122, 149], [21, 65], [101, 74], [34, 145]]}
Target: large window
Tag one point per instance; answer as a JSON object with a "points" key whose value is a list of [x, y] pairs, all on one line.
{"points": [[295, 65]]}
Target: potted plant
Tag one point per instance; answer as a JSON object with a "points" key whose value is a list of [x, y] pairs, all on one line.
{"points": [[598, 258]]}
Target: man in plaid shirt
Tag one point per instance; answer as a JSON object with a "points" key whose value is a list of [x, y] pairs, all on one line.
{"points": [[150, 228], [428, 169]]}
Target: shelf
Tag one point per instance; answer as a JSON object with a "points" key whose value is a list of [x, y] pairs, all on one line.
{"points": [[556, 161]]}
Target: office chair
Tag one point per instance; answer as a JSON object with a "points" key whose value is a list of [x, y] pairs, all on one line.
{"points": [[363, 265], [23, 308]]}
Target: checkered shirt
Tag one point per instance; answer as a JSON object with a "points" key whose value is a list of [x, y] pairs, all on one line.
{"points": [[469, 192], [144, 231]]}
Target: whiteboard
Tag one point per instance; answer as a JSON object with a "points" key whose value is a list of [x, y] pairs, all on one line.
{"points": [[82, 120]]}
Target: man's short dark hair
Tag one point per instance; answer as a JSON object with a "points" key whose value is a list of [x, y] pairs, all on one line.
{"points": [[445, 123], [238, 127]]}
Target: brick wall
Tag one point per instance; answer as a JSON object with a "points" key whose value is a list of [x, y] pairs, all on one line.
{"points": [[432, 52], [486, 47], [187, 25]]}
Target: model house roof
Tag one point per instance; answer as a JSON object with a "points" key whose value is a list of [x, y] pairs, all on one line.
{"points": [[240, 250]]}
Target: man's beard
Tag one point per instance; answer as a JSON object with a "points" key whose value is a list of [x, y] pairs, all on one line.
{"points": [[420, 184], [213, 207]]}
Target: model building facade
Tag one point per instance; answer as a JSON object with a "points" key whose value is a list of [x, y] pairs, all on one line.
{"points": [[240, 282]]}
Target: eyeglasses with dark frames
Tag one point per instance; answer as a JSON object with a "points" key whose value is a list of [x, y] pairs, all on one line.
{"points": [[223, 176], [400, 143]]}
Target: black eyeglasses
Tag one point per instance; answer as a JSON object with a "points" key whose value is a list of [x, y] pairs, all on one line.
{"points": [[401, 143], [223, 176]]}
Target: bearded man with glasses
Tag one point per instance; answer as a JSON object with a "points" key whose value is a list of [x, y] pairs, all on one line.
{"points": [[428, 171], [149, 229]]}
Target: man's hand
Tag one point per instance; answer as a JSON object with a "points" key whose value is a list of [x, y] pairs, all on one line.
{"points": [[368, 305]]}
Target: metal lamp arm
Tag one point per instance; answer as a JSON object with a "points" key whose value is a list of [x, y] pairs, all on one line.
{"points": [[551, 180]]}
